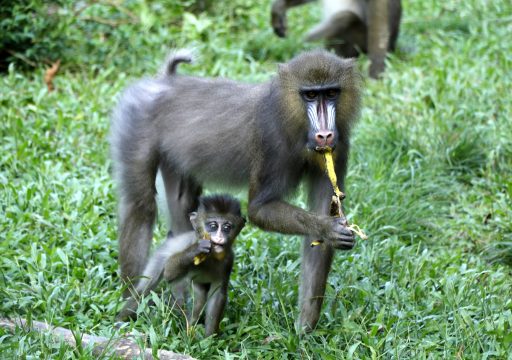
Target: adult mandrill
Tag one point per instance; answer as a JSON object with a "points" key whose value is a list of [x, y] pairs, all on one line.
{"points": [[216, 131]]}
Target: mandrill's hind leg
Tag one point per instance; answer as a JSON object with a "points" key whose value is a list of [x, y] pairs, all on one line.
{"points": [[182, 194], [316, 261], [137, 213]]}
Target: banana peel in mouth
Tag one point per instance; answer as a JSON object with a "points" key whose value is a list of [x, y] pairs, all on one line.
{"points": [[335, 207]]}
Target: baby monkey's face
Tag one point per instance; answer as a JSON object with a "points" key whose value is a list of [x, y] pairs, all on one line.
{"points": [[220, 231]]}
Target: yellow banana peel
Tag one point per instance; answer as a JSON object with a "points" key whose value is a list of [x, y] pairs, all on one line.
{"points": [[202, 257], [338, 196]]}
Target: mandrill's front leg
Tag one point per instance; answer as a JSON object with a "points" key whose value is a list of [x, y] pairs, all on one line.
{"points": [[278, 14], [317, 260]]}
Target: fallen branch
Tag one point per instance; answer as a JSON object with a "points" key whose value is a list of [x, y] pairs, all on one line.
{"points": [[109, 22], [21, 57], [125, 347]]}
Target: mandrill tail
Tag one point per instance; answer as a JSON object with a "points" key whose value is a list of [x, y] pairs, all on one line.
{"points": [[174, 59]]}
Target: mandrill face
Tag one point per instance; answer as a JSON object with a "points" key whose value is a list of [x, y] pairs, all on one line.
{"points": [[320, 105], [320, 93]]}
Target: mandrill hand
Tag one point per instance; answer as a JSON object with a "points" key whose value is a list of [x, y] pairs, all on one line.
{"points": [[337, 234], [203, 247]]}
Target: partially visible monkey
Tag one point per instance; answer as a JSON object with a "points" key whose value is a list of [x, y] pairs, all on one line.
{"points": [[351, 26], [216, 223], [268, 136]]}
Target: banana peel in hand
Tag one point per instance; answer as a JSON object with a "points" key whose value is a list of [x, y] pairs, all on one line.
{"points": [[335, 207]]}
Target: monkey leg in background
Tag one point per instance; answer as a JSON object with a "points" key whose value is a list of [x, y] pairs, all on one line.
{"points": [[380, 24], [278, 14], [350, 27], [215, 131]]}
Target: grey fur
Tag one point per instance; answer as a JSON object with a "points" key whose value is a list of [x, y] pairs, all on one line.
{"points": [[204, 131]]}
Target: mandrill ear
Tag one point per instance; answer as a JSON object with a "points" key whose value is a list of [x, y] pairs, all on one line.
{"points": [[193, 219], [350, 75], [349, 63], [283, 70], [242, 223]]}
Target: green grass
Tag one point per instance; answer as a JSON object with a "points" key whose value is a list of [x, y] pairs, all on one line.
{"points": [[430, 180]]}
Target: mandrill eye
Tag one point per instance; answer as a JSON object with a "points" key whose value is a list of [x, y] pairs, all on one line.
{"points": [[331, 94], [212, 226], [310, 95]]}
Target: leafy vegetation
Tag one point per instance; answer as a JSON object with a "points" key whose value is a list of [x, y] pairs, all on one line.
{"points": [[430, 181]]}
